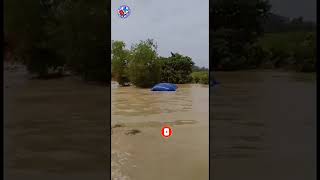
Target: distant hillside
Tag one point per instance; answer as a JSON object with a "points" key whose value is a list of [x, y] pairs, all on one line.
{"points": [[277, 23]]}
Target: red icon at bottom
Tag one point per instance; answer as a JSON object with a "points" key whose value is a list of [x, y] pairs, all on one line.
{"points": [[166, 131]]}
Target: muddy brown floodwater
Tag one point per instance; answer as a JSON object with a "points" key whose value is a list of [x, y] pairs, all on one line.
{"points": [[263, 126], [145, 154], [54, 129]]}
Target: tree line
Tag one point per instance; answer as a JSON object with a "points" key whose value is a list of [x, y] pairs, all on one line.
{"points": [[246, 35], [143, 67], [52, 35]]}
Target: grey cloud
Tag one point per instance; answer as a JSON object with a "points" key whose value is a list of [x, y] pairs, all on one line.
{"points": [[183, 25], [295, 8], [176, 25]]}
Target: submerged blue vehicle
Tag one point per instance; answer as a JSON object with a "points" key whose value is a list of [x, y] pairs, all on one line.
{"points": [[214, 83], [164, 87]]}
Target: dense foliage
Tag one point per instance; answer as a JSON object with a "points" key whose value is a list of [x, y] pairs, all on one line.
{"points": [[246, 35], [84, 36], [120, 60], [200, 77], [176, 69], [235, 27], [293, 50], [144, 68], [26, 27], [47, 34]]}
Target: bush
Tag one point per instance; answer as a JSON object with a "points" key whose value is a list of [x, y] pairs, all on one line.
{"points": [[308, 65], [144, 67], [255, 56], [47, 34], [236, 25], [120, 59], [85, 49], [291, 49], [41, 60], [200, 77], [176, 69], [195, 78], [28, 27]]}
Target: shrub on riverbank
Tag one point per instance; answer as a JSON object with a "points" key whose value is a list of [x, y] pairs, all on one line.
{"points": [[201, 77], [77, 37], [143, 67], [252, 37], [120, 59], [51, 34], [176, 69], [235, 32], [286, 50], [294, 50]]}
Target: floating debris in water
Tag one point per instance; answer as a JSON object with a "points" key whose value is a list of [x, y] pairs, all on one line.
{"points": [[133, 132], [118, 126]]}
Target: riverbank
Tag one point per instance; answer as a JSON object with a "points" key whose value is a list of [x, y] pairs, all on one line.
{"points": [[283, 70]]}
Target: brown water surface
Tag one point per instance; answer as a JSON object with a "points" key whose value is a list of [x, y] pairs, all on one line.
{"points": [[54, 129], [263, 126], [145, 154]]}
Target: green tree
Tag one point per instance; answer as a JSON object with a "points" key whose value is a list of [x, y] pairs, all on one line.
{"points": [[176, 69], [200, 77], [204, 79], [144, 68], [120, 60], [83, 36], [22, 25], [236, 25], [29, 25], [291, 50], [51, 33], [305, 54]]}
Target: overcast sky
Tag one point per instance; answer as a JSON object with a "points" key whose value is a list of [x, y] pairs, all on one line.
{"points": [[182, 25], [295, 8], [176, 25]]}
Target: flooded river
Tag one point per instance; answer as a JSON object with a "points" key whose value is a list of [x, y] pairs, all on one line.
{"points": [[54, 129], [263, 126], [145, 154]]}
